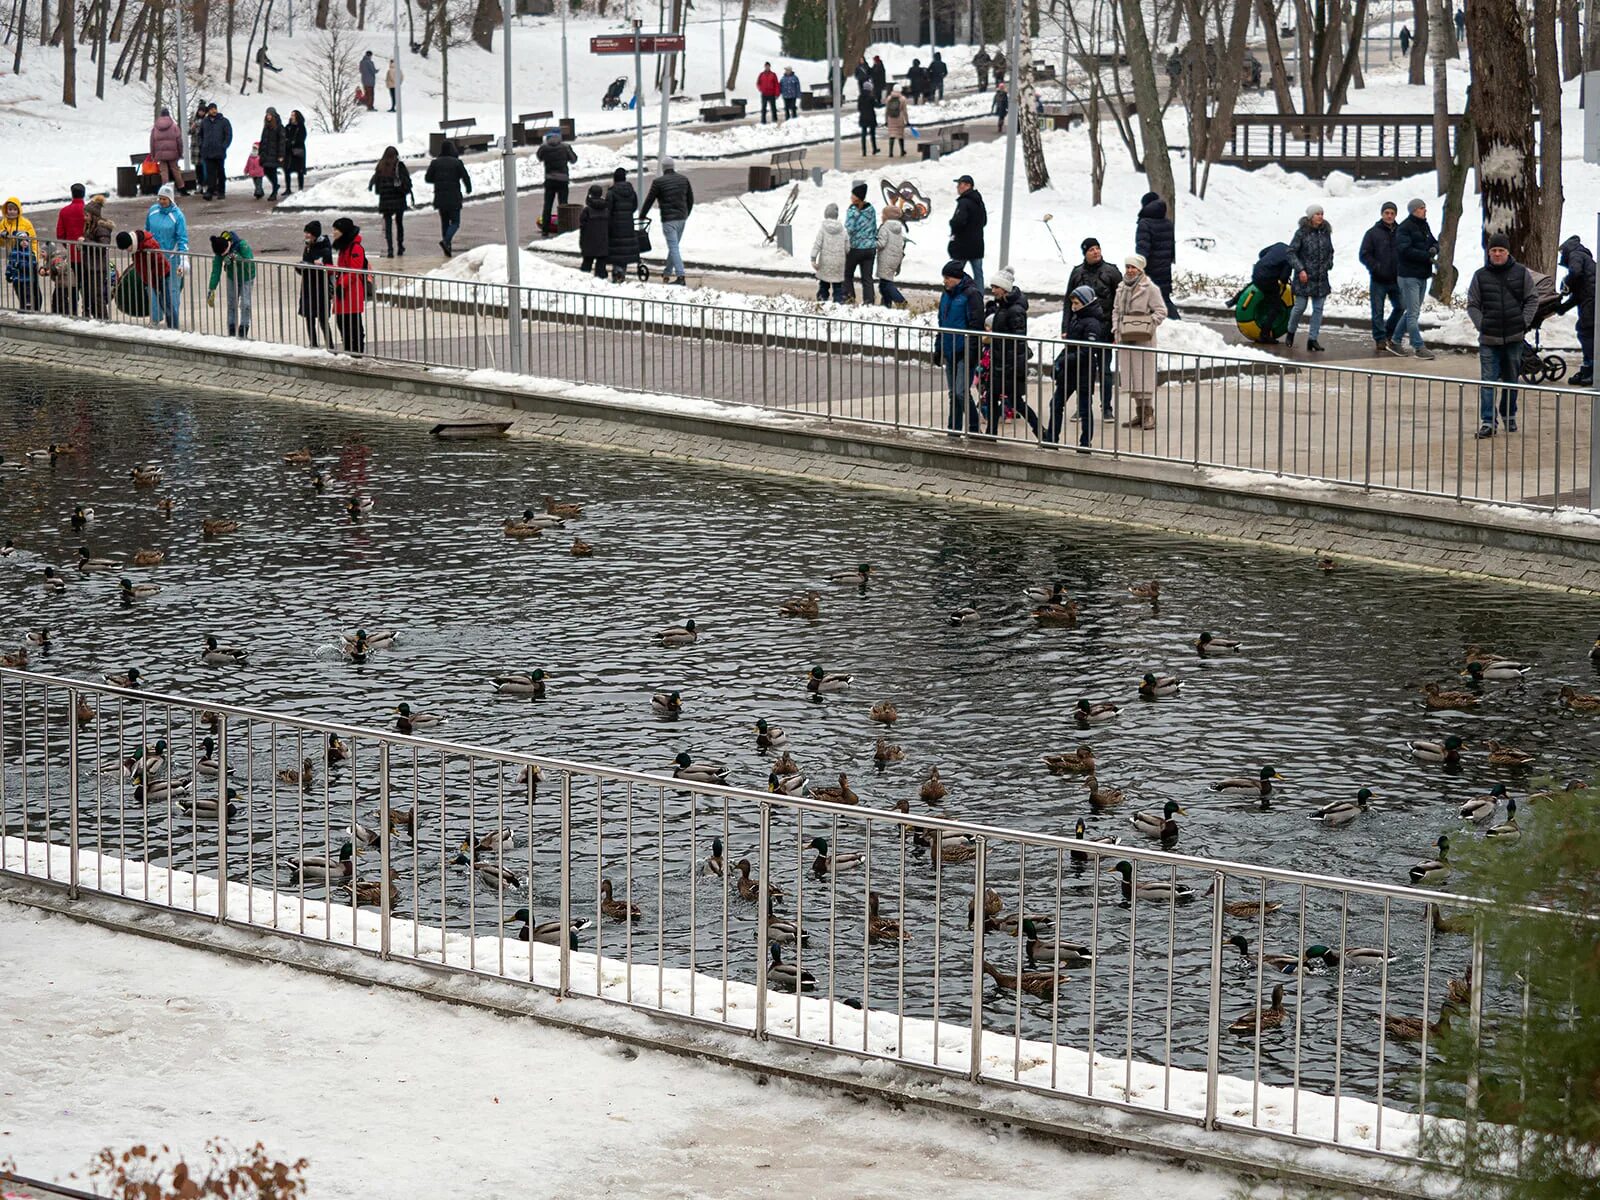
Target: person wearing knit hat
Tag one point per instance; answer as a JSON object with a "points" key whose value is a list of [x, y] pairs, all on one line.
{"points": [[956, 345], [233, 260], [1379, 257], [350, 286], [1136, 321], [316, 291], [1416, 204], [1008, 356], [1136, 261], [867, 116], [1103, 278], [830, 255], [1311, 262], [861, 225], [1415, 249], [1503, 303]]}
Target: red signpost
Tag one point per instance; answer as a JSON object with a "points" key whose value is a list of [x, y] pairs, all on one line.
{"points": [[649, 43]]}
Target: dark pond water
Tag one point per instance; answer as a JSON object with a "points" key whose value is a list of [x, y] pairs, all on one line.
{"points": [[1327, 689]]}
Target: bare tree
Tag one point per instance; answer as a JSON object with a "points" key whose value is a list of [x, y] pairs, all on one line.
{"points": [[1441, 91], [334, 77], [1545, 236], [1571, 41], [1502, 106], [21, 26], [1027, 116], [855, 29], [1419, 42], [1230, 73], [484, 19], [1444, 279], [69, 57], [738, 46], [1157, 158], [1275, 63]]}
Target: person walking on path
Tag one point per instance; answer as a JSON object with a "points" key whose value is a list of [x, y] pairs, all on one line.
{"points": [[1001, 105], [1579, 287], [880, 76], [1078, 365], [95, 275], [937, 70], [392, 76], [1136, 321], [1416, 250], [1405, 40], [861, 224], [70, 223], [768, 87], [316, 283], [19, 246], [166, 147], [621, 233], [253, 170], [216, 135], [999, 64], [1382, 261], [197, 125], [966, 228], [1095, 273], [894, 119], [1461, 23], [270, 149], [233, 261], [294, 152], [675, 195], [369, 79], [1007, 312], [594, 238], [1501, 301], [448, 175], [981, 62], [557, 158], [867, 116], [891, 255], [1156, 241], [789, 89], [350, 286], [830, 256], [956, 344], [1311, 257], [392, 182], [155, 272]]}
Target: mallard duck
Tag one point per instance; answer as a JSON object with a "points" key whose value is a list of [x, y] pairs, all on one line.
{"points": [[1326, 562], [206, 766], [1158, 687], [1042, 984], [56, 583], [557, 509], [403, 820], [1056, 593], [769, 737], [808, 605], [668, 705], [297, 776], [1081, 832], [145, 475], [679, 635], [581, 548], [1283, 964], [1508, 830], [88, 562], [207, 805], [785, 785], [370, 891], [782, 930], [1479, 655], [537, 520], [154, 791], [1152, 889], [1209, 644], [324, 867], [1061, 954], [1342, 812], [698, 772], [820, 682], [1502, 755], [547, 933], [1248, 908], [826, 864], [357, 507], [129, 590], [1261, 785], [488, 842], [365, 837], [1086, 714], [883, 929], [148, 558], [1063, 612], [17, 659], [1459, 991], [8, 548], [1570, 698], [85, 713], [50, 453], [886, 752], [1594, 650], [217, 655], [952, 847], [379, 640], [1149, 590], [1461, 923], [298, 457], [1413, 1029], [1100, 797], [39, 637], [860, 577], [214, 527], [616, 910], [521, 683], [1483, 808], [1359, 956], [82, 514], [490, 874], [843, 794], [1447, 751], [418, 720], [165, 505], [714, 864], [786, 764], [1158, 825], [520, 529], [750, 889], [124, 679], [1013, 923], [933, 790], [992, 907], [1435, 696], [1434, 870], [1071, 762], [1269, 1017], [530, 775], [963, 615], [1500, 670], [781, 977]]}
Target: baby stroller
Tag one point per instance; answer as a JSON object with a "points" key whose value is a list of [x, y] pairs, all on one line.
{"points": [[613, 96], [1536, 366]]}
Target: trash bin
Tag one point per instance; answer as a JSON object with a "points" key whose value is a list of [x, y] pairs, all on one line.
{"points": [[567, 217], [569, 129], [784, 236], [127, 182], [760, 178]]}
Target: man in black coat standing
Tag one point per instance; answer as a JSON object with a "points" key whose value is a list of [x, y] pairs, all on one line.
{"points": [[1156, 239], [1579, 286], [451, 184], [966, 228], [1502, 302], [557, 158], [675, 195], [1096, 273], [1382, 261]]}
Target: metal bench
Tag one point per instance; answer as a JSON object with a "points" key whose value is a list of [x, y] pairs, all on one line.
{"points": [[716, 106], [460, 133]]}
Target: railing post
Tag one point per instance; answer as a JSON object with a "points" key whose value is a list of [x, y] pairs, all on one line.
{"points": [[72, 793], [1367, 453], [894, 361], [585, 328], [702, 346], [384, 898], [1280, 420], [764, 857], [829, 328], [1214, 1005], [979, 919], [1461, 439], [563, 941], [222, 818], [1475, 1008]]}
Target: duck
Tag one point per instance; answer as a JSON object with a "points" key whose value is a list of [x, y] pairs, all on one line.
{"points": [[698, 772], [783, 977], [357, 507], [1152, 889], [165, 505], [1507, 831], [148, 558], [1342, 812], [1502, 755], [782, 930], [1042, 984], [786, 764], [1478, 654], [667, 704], [1260, 786], [513, 528], [580, 548], [82, 514], [963, 615], [992, 906], [370, 891], [1414, 1029], [1061, 954], [883, 929], [807, 605], [85, 713], [50, 453], [714, 864], [616, 910], [1012, 923], [40, 637], [88, 562], [1360, 956], [403, 820], [820, 682], [56, 583], [488, 842], [558, 509], [546, 933], [861, 577], [1500, 670], [885, 713], [146, 475], [933, 790], [843, 794], [418, 720], [298, 457], [1158, 687], [531, 776], [129, 590], [1247, 908], [124, 679], [537, 520], [1448, 751], [886, 752], [1570, 698], [1435, 696], [1149, 590], [1086, 714], [380, 640], [1081, 832], [218, 655], [1209, 644], [952, 847], [785, 785], [206, 766], [769, 737], [490, 874], [1461, 923], [1594, 650], [8, 548], [1483, 808], [679, 635], [1326, 562], [826, 864], [521, 683], [154, 791], [297, 776], [1459, 991], [1056, 593], [213, 527], [1284, 964], [1434, 870], [364, 836], [1159, 825], [1100, 797], [750, 889], [1063, 612], [206, 805], [1269, 1017], [16, 659], [326, 868], [1071, 762]]}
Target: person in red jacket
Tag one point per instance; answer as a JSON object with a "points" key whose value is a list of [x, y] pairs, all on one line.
{"points": [[767, 85], [350, 285], [69, 228], [150, 263]]}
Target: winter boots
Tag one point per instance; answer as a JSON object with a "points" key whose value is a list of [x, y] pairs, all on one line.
{"points": [[1144, 417], [1313, 344]]}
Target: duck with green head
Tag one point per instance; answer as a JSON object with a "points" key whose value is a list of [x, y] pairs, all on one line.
{"points": [[1160, 825], [1434, 870], [1342, 812], [1164, 890]]}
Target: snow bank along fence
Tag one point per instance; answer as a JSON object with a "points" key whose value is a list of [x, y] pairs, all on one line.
{"points": [[1131, 982], [1354, 428]]}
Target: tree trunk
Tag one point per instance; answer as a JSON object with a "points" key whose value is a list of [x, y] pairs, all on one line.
{"points": [[227, 75], [249, 48], [1571, 41], [738, 45], [484, 20], [855, 31], [1502, 106], [1419, 42], [1352, 57], [322, 13], [22, 24], [100, 51], [1279, 72], [202, 27], [124, 68], [1545, 236], [1028, 119], [1157, 159], [1229, 74], [1591, 35], [69, 59], [44, 22], [1441, 92], [1444, 279], [116, 24]]}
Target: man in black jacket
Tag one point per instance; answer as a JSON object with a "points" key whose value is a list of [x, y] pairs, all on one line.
{"points": [[216, 135], [1096, 273], [676, 197], [557, 158], [450, 180], [1579, 286], [1155, 237], [966, 228], [1382, 261], [1415, 249], [1501, 302]]}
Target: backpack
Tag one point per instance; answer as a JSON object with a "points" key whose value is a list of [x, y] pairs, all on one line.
{"points": [[21, 266], [894, 107]]}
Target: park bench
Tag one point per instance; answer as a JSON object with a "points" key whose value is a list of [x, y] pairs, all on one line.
{"points": [[1043, 70], [787, 166], [131, 182], [531, 128], [819, 97], [717, 106], [461, 133]]}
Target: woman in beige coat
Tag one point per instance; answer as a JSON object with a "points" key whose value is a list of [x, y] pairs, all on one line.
{"points": [[1136, 319]]}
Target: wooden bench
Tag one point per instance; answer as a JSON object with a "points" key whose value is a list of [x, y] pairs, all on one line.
{"points": [[131, 181], [788, 165], [716, 106], [818, 99], [460, 133], [1043, 70]]}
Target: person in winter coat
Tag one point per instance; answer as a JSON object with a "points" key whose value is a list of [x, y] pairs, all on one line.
{"points": [[999, 64], [369, 79], [937, 70], [1405, 40], [1416, 250], [316, 283], [216, 135], [1579, 287], [350, 285], [270, 149], [557, 158], [621, 233], [1155, 239], [197, 124], [676, 196], [55, 264], [1502, 302], [1095, 273], [767, 87], [392, 76], [861, 226], [862, 73], [1136, 321], [594, 238], [155, 272], [1311, 257], [69, 232], [94, 272], [1001, 106], [830, 256], [919, 84], [894, 120], [891, 255], [19, 246], [253, 170], [1271, 271], [294, 152], [880, 76], [1382, 262], [1078, 367], [867, 116], [392, 182], [981, 62], [166, 147], [1007, 311], [450, 180], [789, 89], [233, 260], [166, 223], [955, 347], [966, 228]]}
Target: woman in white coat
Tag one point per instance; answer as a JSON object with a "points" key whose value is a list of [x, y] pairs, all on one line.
{"points": [[891, 255], [1137, 314], [829, 252]]}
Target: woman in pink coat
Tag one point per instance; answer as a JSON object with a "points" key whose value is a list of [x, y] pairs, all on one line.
{"points": [[166, 147]]}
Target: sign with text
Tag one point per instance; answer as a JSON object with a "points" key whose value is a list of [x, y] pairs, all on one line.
{"points": [[649, 43]]}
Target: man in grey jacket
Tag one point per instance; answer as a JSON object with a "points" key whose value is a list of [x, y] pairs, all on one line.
{"points": [[676, 197], [1502, 302]]}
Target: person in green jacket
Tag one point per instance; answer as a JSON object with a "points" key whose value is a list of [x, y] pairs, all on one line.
{"points": [[231, 258]]}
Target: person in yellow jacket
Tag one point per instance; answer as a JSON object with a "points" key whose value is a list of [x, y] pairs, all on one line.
{"points": [[19, 251]]}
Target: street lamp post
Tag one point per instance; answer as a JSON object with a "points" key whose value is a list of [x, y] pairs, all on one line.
{"points": [[566, 98], [638, 111], [1012, 107], [835, 70], [400, 78], [183, 71], [508, 178]]}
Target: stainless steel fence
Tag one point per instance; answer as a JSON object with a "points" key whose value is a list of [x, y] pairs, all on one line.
{"points": [[1354, 428], [1074, 969]]}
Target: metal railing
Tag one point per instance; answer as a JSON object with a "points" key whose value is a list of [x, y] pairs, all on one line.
{"points": [[1120, 984], [1353, 428]]}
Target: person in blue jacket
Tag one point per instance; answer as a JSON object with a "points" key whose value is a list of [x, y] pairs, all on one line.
{"points": [[166, 223], [1271, 272], [956, 347], [789, 89]]}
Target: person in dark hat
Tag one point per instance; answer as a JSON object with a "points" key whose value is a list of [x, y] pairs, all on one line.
{"points": [[966, 228], [350, 285], [316, 283], [1104, 278], [861, 226], [956, 346], [1502, 302], [622, 236]]}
